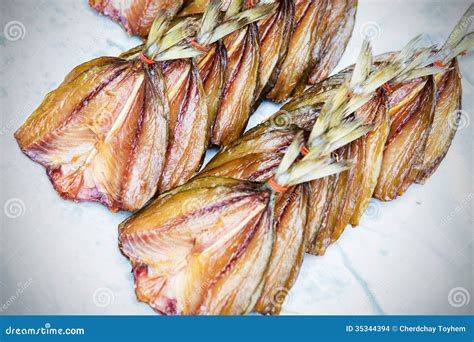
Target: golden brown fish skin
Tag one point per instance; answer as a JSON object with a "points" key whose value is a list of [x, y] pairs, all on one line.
{"points": [[347, 194], [447, 111], [252, 166], [189, 118], [201, 248], [290, 216], [260, 164], [274, 37], [374, 146], [241, 80], [354, 181], [411, 121], [135, 16], [334, 39], [340, 192], [253, 157], [318, 202], [258, 153], [297, 64], [256, 156], [103, 106], [212, 66]]}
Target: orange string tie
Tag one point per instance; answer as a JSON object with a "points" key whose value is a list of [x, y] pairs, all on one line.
{"points": [[145, 59], [250, 3], [439, 64], [304, 151], [275, 186], [198, 46], [387, 88], [350, 94]]}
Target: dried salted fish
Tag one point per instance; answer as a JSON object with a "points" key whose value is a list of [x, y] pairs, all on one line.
{"points": [[301, 42], [230, 68], [204, 247], [212, 66], [334, 201], [207, 247], [405, 147], [333, 40], [414, 103], [189, 118], [300, 49], [135, 16], [424, 112], [320, 34], [274, 34], [258, 153], [102, 134], [240, 88], [445, 121], [347, 194], [192, 111], [119, 130], [192, 245]]}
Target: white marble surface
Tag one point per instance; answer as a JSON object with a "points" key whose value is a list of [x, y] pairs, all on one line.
{"points": [[59, 257]]}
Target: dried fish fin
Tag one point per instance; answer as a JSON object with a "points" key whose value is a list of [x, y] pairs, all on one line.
{"points": [[460, 39], [169, 43], [238, 21], [363, 66]]}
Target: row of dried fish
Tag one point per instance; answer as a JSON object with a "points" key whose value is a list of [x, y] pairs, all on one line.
{"points": [[300, 43], [238, 231], [202, 258], [118, 130]]}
